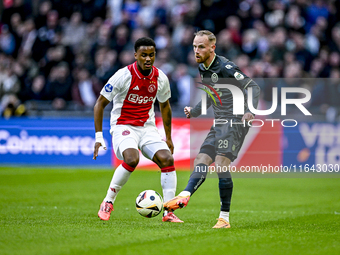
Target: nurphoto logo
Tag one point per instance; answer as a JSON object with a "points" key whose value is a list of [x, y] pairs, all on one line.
{"points": [[238, 103]]}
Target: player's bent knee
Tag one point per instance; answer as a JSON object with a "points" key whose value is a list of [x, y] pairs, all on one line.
{"points": [[131, 157], [165, 159], [203, 159], [167, 162], [132, 161], [224, 160]]}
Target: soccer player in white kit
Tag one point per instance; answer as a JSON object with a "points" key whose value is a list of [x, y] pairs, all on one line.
{"points": [[133, 90]]}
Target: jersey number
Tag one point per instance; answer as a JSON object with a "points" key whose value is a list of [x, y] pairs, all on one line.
{"points": [[222, 144]]}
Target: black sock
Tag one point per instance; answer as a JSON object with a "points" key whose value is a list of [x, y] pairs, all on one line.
{"points": [[226, 189], [197, 177]]}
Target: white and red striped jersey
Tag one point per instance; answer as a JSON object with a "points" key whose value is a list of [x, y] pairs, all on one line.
{"points": [[134, 94]]}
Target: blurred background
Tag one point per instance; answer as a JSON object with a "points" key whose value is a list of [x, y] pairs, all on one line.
{"points": [[56, 55]]}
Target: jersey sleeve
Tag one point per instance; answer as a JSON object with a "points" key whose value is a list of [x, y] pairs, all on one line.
{"points": [[114, 84], [234, 71], [196, 111], [163, 93], [244, 82]]}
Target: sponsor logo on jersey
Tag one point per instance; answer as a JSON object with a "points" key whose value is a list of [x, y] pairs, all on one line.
{"points": [[152, 88], [228, 66], [139, 99], [238, 76], [136, 88], [126, 132], [108, 87], [214, 77]]}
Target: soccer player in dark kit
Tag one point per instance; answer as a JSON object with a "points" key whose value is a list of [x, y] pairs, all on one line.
{"points": [[224, 141]]}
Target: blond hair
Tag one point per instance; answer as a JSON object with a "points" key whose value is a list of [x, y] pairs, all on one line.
{"points": [[210, 35]]}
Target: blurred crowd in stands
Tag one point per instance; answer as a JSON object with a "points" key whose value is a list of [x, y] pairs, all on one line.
{"points": [[57, 54]]}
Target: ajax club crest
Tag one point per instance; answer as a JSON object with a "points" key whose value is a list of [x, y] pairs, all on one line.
{"points": [[152, 88]]}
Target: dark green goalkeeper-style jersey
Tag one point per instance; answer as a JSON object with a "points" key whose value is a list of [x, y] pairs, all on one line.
{"points": [[224, 71]]}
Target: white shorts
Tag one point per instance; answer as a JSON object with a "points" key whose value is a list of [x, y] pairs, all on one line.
{"points": [[147, 139]]}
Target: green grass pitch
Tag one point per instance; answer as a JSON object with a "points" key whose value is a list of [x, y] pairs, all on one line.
{"points": [[54, 211]]}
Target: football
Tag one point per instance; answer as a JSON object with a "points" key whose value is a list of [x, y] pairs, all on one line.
{"points": [[149, 203]]}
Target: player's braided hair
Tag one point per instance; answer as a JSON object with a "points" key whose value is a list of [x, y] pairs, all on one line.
{"points": [[144, 41], [211, 36]]}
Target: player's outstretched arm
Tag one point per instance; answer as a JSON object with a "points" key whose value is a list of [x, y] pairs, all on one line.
{"points": [[101, 103], [255, 99], [197, 110], [166, 116]]}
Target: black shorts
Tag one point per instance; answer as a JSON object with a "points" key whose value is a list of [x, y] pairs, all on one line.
{"points": [[224, 140]]}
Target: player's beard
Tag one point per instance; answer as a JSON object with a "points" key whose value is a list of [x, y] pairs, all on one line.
{"points": [[202, 59]]}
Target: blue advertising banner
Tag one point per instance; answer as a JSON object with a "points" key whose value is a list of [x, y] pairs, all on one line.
{"points": [[315, 144], [52, 142]]}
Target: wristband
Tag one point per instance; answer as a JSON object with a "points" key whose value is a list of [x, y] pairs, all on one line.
{"points": [[99, 135], [100, 139]]}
